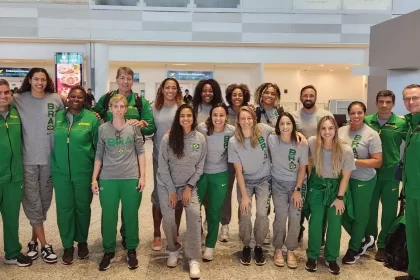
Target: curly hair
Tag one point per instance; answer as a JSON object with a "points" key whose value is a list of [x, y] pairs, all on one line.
{"points": [[209, 121], [262, 88], [217, 93], [245, 91], [176, 134], [26, 85], [160, 98], [82, 89]]}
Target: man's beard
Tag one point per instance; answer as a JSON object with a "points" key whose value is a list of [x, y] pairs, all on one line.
{"points": [[308, 104]]}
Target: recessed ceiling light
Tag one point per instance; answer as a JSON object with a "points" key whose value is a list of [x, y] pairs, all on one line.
{"points": [[179, 64], [322, 65], [331, 70], [347, 68]]}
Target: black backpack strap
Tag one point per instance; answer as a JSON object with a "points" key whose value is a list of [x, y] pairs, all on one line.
{"points": [[258, 113], [138, 103], [105, 105]]}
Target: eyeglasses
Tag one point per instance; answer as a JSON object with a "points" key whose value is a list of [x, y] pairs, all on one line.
{"points": [[414, 99]]}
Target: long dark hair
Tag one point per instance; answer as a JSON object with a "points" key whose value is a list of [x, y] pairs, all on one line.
{"points": [[176, 135], [277, 129], [209, 121], [159, 95], [217, 93], [26, 86]]}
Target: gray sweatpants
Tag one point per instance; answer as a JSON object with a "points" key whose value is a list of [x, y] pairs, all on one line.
{"points": [[155, 196], [38, 192], [285, 211], [261, 189], [192, 238], [227, 205]]}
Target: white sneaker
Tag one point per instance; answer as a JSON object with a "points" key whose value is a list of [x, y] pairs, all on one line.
{"points": [[267, 238], [208, 254], [173, 259], [224, 233], [195, 269]]}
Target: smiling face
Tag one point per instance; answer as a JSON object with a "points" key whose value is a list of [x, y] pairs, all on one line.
{"points": [[207, 94], [269, 96], [308, 98], [357, 115], [125, 82], [245, 120], [411, 99], [219, 118], [76, 100], [118, 109], [186, 119], [38, 82], [237, 97], [5, 95], [285, 126], [327, 130], [170, 90]]}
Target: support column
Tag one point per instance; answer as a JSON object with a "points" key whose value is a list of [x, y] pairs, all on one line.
{"points": [[100, 73]]}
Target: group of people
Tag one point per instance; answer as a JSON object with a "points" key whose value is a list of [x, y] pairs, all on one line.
{"points": [[302, 161]]}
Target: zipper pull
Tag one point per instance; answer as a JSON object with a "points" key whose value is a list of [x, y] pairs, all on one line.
{"points": [[68, 139], [7, 125]]}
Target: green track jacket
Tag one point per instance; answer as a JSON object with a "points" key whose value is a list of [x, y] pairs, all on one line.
{"points": [[132, 112], [411, 173], [75, 145], [392, 134], [11, 167]]}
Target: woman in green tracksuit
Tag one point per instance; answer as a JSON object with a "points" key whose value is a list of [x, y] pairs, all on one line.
{"points": [[214, 181], [333, 162], [367, 149], [11, 180], [121, 162], [75, 137]]}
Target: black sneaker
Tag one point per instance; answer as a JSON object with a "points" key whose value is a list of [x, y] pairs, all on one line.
{"points": [[33, 250], [350, 257], [21, 261], [311, 265], [380, 255], [68, 256], [133, 263], [246, 256], [333, 267], [106, 261], [82, 250], [124, 245], [405, 277], [368, 242], [48, 254], [259, 256]]}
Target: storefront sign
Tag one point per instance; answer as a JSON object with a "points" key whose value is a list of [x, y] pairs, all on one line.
{"points": [[317, 4], [68, 71], [8, 72], [190, 75]]}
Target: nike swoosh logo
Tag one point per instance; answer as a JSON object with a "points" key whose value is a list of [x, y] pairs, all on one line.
{"points": [[394, 189], [223, 185], [360, 185]]}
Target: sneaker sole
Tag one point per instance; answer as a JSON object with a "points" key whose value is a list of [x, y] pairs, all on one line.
{"points": [[260, 264], [245, 263], [23, 264], [367, 245], [83, 258], [332, 272], [106, 268], [310, 269], [34, 257], [132, 267], [66, 263], [207, 260], [353, 262], [49, 261], [279, 264], [170, 266], [223, 239], [156, 248], [292, 267]]}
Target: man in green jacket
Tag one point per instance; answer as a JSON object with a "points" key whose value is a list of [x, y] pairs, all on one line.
{"points": [[411, 179], [139, 111], [392, 130], [125, 83], [11, 179]]}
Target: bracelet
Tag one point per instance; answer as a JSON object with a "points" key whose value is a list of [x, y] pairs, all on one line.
{"points": [[94, 182]]}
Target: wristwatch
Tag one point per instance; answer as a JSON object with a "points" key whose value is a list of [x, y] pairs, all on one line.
{"points": [[297, 189], [340, 197]]}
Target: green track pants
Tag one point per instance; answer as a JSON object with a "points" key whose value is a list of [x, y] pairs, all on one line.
{"points": [[412, 226]]}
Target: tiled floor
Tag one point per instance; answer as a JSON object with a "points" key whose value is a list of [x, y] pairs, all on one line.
{"points": [[152, 264]]}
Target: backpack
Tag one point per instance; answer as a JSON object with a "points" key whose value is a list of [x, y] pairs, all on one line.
{"points": [[396, 254], [138, 104], [260, 110]]}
